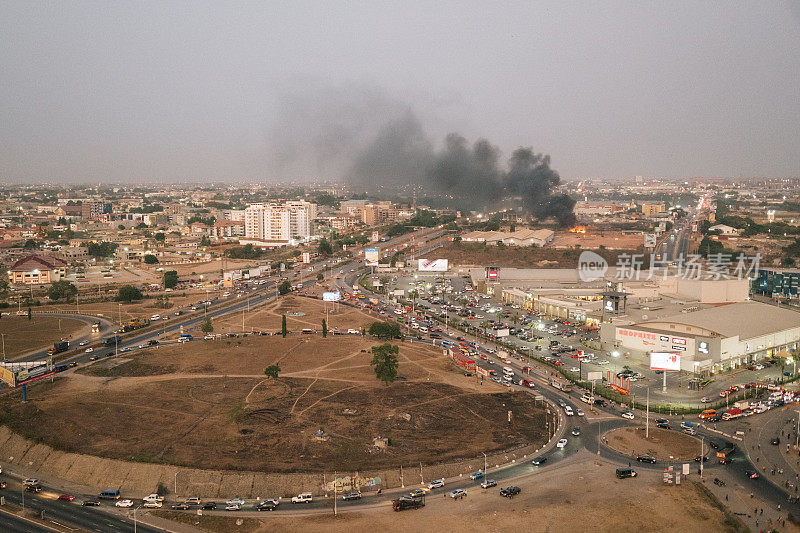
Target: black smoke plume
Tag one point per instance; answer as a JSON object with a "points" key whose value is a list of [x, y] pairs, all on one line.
{"points": [[378, 143]]}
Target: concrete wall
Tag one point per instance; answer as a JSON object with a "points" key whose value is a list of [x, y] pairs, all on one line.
{"points": [[140, 479]]}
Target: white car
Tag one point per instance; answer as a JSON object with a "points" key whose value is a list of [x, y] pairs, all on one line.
{"points": [[124, 503], [568, 410], [235, 501], [82, 343], [305, 497], [436, 483], [232, 507], [153, 498], [562, 443], [579, 411], [152, 504], [89, 350], [628, 415], [602, 362], [155, 317]]}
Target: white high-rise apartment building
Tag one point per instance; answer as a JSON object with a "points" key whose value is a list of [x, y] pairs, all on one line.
{"points": [[279, 222]]}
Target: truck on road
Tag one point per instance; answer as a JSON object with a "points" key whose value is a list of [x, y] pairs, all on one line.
{"points": [[560, 385], [58, 347]]}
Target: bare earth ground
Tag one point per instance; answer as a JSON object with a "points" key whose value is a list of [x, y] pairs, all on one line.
{"points": [[663, 444], [581, 496], [23, 335], [467, 253], [207, 404], [212, 267], [268, 318], [144, 308]]}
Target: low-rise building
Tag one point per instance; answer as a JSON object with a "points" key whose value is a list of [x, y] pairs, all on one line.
{"points": [[37, 269]]}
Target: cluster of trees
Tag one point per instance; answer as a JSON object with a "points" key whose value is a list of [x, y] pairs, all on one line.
{"points": [[128, 293], [150, 259], [248, 251], [284, 288], [170, 279], [385, 330], [62, 289], [423, 218], [101, 248], [324, 247], [152, 208]]}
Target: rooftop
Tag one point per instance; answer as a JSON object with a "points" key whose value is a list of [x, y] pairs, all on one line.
{"points": [[745, 319]]}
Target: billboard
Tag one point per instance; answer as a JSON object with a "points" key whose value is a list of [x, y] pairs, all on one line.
{"points": [[371, 256], [491, 274], [594, 376], [306, 257], [331, 296], [649, 240], [665, 361], [432, 265]]}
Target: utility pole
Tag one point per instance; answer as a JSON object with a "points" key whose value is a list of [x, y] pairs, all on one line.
{"points": [[647, 419], [702, 450], [335, 498], [796, 433], [485, 466]]}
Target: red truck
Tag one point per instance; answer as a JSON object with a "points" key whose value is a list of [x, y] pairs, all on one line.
{"points": [[730, 414]]}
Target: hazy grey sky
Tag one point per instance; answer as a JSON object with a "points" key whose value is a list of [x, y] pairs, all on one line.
{"points": [[167, 90]]}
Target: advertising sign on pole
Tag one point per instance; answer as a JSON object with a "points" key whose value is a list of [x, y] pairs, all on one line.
{"points": [[665, 361], [432, 265], [371, 256], [331, 296]]}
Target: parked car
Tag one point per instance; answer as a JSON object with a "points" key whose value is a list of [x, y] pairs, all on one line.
{"points": [[623, 473], [458, 494], [488, 483], [510, 492], [124, 503], [355, 495], [436, 483]]}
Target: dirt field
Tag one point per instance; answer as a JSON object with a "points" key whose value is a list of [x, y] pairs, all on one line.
{"points": [[514, 256], [300, 313], [144, 308], [580, 496], [22, 335], [211, 267], [207, 404], [663, 444]]}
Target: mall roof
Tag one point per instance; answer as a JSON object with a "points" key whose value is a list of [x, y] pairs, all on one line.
{"points": [[745, 319]]}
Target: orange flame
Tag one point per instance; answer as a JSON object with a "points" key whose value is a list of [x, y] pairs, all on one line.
{"points": [[578, 229]]}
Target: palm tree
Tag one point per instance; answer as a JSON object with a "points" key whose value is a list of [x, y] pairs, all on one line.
{"points": [[485, 326]]}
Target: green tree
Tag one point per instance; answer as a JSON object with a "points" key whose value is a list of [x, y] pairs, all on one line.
{"points": [[150, 259], [30, 316], [101, 248], [121, 227], [62, 289], [128, 293], [160, 237], [170, 279], [272, 371], [324, 328], [284, 288], [205, 241], [384, 330], [320, 276], [384, 361], [283, 326], [325, 247], [207, 326]]}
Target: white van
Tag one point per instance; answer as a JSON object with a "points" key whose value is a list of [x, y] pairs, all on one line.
{"points": [[508, 371], [568, 410]]}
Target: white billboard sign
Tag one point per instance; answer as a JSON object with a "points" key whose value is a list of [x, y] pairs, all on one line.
{"points": [[432, 265], [649, 240], [665, 361], [594, 376], [371, 256], [331, 296]]}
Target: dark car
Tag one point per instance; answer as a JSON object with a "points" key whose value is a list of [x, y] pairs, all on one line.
{"points": [[510, 492], [752, 474], [267, 505], [90, 503], [600, 402], [775, 441], [539, 460], [356, 495], [33, 488], [719, 482], [646, 459], [209, 506], [698, 458], [724, 460], [662, 421], [663, 426], [406, 502]]}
